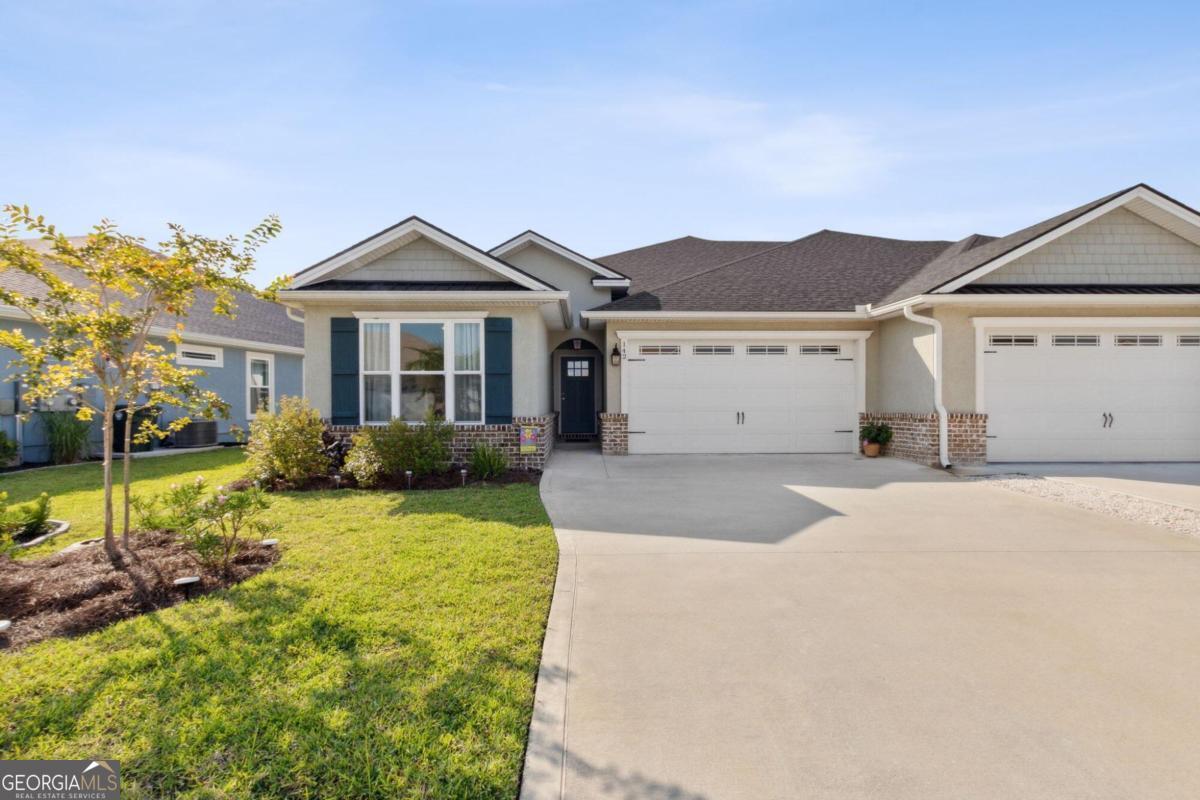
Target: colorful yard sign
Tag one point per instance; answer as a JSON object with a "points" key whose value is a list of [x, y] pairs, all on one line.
{"points": [[529, 439]]}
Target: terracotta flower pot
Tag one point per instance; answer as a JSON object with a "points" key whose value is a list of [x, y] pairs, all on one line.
{"points": [[871, 449]]}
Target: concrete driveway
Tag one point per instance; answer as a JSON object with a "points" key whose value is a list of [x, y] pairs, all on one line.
{"points": [[829, 627]]}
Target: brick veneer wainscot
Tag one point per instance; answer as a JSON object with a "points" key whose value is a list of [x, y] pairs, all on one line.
{"points": [[915, 436], [614, 434], [505, 438]]}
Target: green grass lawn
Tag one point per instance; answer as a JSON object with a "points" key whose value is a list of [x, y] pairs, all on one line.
{"points": [[391, 653]]}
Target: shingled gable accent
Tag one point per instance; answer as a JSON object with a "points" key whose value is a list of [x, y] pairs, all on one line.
{"points": [[403, 233]]}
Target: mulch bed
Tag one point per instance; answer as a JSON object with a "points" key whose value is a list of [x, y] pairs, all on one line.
{"points": [[79, 590], [450, 479]]}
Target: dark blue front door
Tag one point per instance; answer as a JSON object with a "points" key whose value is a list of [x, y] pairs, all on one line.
{"points": [[577, 377]]}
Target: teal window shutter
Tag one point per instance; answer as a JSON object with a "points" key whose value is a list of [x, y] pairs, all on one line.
{"points": [[343, 361], [498, 360]]}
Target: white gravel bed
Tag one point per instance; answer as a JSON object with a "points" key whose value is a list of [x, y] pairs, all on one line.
{"points": [[1104, 501]]}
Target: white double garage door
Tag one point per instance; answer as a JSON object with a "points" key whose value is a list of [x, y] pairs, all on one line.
{"points": [[743, 395], [1081, 393]]}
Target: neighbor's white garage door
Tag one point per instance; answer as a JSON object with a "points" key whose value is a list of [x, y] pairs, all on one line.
{"points": [[741, 396], [1092, 395]]}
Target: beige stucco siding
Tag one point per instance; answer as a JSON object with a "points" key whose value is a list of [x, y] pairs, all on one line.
{"points": [[958, 346], [904, 374], [1119, 247], [419, 260], [561, 274], [531, 373], [613, 374]]}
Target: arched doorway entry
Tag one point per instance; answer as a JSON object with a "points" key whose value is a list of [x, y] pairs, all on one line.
{"points": [[576, 368]]}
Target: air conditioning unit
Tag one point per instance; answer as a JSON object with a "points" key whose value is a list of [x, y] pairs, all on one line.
{"points": [[197, 433]]}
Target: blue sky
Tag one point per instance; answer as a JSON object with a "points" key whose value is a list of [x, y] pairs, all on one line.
{"points": [[602, 125]]}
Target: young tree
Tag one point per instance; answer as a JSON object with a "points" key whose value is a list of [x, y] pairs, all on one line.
{"points": [[99, 301]]}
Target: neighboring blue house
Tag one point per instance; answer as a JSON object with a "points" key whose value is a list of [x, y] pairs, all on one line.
{"points": [[256, 357]]}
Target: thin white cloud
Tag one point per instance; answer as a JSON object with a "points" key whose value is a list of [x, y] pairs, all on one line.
{"points": [[813, 154]]}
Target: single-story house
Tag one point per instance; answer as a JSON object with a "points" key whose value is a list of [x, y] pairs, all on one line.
{"points": [[1076, 338], [249, 360]]}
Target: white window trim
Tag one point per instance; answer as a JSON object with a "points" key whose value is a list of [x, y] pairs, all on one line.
{"points": [[447, 320], [270, 359], [184, 361]]}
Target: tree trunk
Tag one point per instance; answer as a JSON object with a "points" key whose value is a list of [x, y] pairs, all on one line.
{"points": [[125, 473], [110, 543]]}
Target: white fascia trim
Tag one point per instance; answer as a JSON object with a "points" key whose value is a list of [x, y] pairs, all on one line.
{"points": [[1116, 299], [611, 283], [638, 336], [1137, 193], [420, 314], [341, 297], [652, 316], [488, 262], [531, 237], [1086, 322]]}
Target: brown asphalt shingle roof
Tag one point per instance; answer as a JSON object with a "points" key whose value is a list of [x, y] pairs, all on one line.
{"points": [[657, 264], [826, 271]]}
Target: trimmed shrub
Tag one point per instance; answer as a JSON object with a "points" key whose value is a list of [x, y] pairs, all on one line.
{"points": [[26, 521], [288, 445], [387, 451], [363, 462], [487, 462]]}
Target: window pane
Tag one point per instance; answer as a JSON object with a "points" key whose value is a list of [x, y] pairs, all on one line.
{"points": [[421, 347], [419, 394], [466, 346], [377, 398], [468, 398], [260, 399], [376, 346], [260, 372]]}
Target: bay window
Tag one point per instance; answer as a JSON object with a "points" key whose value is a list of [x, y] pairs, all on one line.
{"points": [[412, 367]]}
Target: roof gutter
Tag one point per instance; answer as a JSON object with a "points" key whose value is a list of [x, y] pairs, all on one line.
{"points": [[943, 417]]}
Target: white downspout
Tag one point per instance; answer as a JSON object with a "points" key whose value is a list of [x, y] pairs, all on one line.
{"points": [[943, 418]]}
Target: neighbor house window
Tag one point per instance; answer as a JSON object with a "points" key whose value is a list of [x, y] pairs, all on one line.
{"points": [[413, 367], [260, 381], [195, 355]]}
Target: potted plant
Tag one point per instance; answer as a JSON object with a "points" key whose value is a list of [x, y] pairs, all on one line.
{"points": [[874, 436]]}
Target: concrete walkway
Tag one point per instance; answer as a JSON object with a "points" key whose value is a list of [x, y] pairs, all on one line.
{"points": [[828, 627]]}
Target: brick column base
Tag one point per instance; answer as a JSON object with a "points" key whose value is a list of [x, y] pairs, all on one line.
{"points": [[915, 437], [614, 434]]}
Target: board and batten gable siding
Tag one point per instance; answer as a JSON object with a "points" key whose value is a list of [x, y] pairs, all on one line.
{"points": [[530, 354], [1119, 247], [419, 260]]}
